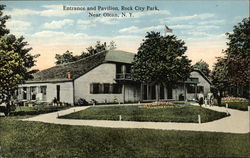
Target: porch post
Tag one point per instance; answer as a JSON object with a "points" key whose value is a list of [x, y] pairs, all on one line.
{"points": [[185, 92], [195, 88], [123, 91], [165, 92], [142, 92], [157, 96], [148, 95]]}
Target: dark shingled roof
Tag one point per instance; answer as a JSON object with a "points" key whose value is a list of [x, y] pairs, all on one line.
{"points": [[58, 73]]}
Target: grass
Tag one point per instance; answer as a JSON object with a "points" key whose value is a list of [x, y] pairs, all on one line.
{"points": [[137, 113], [24, 110], [243, 106], [33, 139]]}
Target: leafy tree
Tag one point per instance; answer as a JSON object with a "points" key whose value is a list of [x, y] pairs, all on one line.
{"points": [[69, 57], [112, 45], [219, 78], [3, 19], [238, 54], [161, 60], [98, 48], [15, 61], [65, 58], [233, 70], [239, 39], [202, 66]]}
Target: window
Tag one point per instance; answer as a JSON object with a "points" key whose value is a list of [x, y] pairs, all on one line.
{"points": [[118, 68], [128, 68], [200, 89], [43, 90], [95, 88], [117, 89], [190, 88], [105, 88], [194, 80], [24, 93], [33, 93]]}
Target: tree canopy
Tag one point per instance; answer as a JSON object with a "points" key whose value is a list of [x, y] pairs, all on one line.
{"points": [[69, 57], [202, 66], [161, 59], [15, 60], [238, 54], [233, 70], [219, 74], [3, 19]]}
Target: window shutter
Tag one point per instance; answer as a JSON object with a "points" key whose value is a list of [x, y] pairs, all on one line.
{"points": [[101, 87], [28, 93], [91, 88], [110, 88]]}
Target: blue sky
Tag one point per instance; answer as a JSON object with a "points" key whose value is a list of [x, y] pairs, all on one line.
{"points": [[49, 29]]}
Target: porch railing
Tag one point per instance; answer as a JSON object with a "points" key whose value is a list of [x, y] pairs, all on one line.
{"points": [[123, 76]]}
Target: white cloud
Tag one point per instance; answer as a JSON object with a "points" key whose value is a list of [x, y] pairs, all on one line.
{"points": [[206, 37], [84, 24], [58, 24], [57, 10], [17, 25], [57, 37], [103, 20], [181, 26], [135, 29], [206, 27], [212, 22], [194, 27], [189, 17], [106, 20], [148, 13], [48, 11], [53, 10], [21, 12]]}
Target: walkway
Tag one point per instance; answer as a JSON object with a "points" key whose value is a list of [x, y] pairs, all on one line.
{"points": [[238, 122]]}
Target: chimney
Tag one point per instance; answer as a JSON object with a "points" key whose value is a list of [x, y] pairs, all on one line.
{"points": [[69, 75]]}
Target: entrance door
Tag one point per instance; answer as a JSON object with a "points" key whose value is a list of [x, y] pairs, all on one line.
{"points": [[169, 94], [58, 92], [145, 92], [153, 92], [162, 93]]}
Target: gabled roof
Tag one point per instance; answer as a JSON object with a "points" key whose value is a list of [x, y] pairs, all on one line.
{"points": [[78, 68], [119, 56], [203, 75]]}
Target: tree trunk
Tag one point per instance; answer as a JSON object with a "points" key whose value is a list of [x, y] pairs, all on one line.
{"points": [[219, 96]]}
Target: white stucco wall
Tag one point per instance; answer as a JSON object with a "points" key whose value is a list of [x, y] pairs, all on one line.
{"points": [[190, 96], [202, 82], [104, 73], [66, 90], [132, 93]]}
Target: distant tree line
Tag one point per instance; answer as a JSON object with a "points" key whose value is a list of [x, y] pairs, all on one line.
{"points": [[70, 57]]}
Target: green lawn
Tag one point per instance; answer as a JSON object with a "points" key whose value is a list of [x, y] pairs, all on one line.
{"points": [[20, 139], [237, 105], [137, 113], [24, 110]]}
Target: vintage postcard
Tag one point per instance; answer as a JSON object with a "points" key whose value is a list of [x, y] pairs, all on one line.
{"points": [[124, 78]]}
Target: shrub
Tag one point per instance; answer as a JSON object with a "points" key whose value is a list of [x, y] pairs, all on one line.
{"points": [[159, 104], [233, 99], [82, 102]]}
